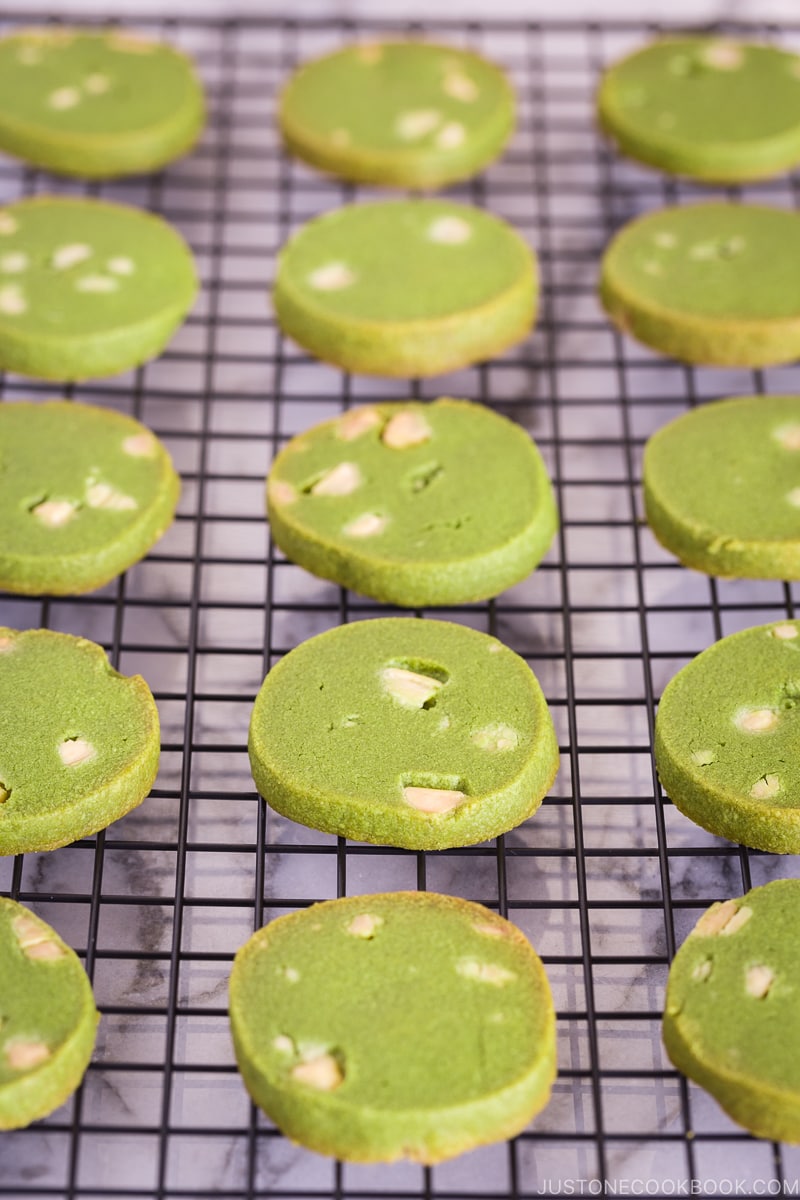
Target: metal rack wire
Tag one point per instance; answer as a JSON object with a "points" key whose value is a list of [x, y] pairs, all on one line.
{"points": [[606, 879]]}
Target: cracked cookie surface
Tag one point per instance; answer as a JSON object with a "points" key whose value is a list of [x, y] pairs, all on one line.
{"points": [[409, 1025]]}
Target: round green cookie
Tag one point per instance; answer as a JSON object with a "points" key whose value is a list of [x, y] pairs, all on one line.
{"points": [[709, 283], [414, 504], [402, 732], [47, 1018], [727, 739], [88, 288], [409, 1025], [96, 103], [705, 107], [722, 487], [79, 743], [731, 1020], [407, 114], [406, 287], [84, 494]]}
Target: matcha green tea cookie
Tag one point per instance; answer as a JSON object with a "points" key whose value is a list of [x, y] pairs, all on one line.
{"points": [[96, 103], [79, 743], [406, 287], [709, 283], [708, 108], [88, 288], [408, 114], [48, 1023], [722, 487], [408, 1025], [403, 732], [414, 504], [731, 1020], [84, 494], [728, 738]]}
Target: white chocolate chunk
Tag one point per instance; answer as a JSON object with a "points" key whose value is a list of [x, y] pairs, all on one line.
{"points": [[367, 525], [35, 939], [5, 643], [757, 720], [96, 84], [75, 751], [357, 422], [45, 952], [794, 497], [459, 86], [103, 495], [416, 124], [409, 688], [665, 240], [12, 300], [341, 137], [704, 758], [703, 970], [785, 633], [451, 136], [407, 428], [69, 256], [23, 1055], [370, 53], [726, 917], [364, 925], [432, 800], [63, 98], [291, 975], [333, 277], [140, 445], [652, 267], [322, 1073], [495, 738], [489, 930], [341, 480], [449, 231], [788, 436], [121, 265], [126, 43], [758, 981], [766, 787], [703, 250], [483, 972], [54, 513], [14, 262], [96, 283], [723, 56], [282, 492], [283, 1044], [8, 224]]}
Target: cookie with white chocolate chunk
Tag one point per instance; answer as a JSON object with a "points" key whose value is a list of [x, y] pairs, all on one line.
{"points": [[47, 1018], [401, 732], [79, 743], [96, 103], [408, 1025], [402, 114], [414, 504], [84, 494], [88, 288], [727, 738], [731, 1019], [406, 287], [722, 487], [707, 107]]}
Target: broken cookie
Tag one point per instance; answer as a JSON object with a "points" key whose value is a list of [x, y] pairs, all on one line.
{"points": [[414, 504], [401, 732], [417, 1026]]}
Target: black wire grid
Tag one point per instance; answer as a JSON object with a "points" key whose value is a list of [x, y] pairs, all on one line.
{"points": [[606, 879]]}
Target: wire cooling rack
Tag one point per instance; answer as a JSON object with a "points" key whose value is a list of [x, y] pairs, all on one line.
{"points": [[606, 879]]}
